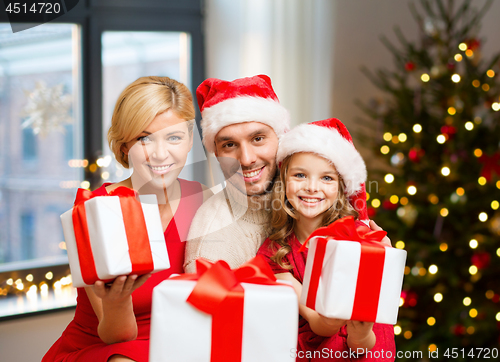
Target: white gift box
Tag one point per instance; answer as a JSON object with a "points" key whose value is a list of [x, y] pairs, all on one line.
{"points": [[180, 332], [336, 290], [108, 238]]}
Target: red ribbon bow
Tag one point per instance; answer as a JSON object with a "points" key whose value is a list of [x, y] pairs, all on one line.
{"points": [[219, 293], [135, 229], [491, 165], [371, 264]]}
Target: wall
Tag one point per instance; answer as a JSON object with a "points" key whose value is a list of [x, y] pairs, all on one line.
{"points": [[27, 339]]}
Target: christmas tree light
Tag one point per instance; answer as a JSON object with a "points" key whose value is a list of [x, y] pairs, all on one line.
{"points": [[443, 95]]}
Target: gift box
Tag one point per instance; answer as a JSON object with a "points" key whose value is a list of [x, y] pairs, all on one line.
{"points": [[221, 315], [109, 236], [350, 275]]}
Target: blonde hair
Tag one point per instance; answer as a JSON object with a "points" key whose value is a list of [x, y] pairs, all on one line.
{"points": [[140, 103], [283, 218]]}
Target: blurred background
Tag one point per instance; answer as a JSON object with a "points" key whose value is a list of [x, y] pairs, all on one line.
{"points": [[416, 83]]}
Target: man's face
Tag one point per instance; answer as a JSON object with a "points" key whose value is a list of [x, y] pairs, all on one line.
{"points": [[254, 146]]}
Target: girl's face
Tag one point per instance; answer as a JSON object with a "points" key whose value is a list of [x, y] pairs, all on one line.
{"points": [[159, 153], [311, 185]]}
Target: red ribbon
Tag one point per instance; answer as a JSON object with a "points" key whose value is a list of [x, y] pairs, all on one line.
{"points": [[219, 293], [371, 264], [491, 165], [135, 230]]}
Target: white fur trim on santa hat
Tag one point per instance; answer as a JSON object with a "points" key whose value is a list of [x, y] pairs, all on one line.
{"points": [[328, 143], [240, 110]]}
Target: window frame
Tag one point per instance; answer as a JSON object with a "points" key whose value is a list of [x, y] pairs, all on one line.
{"points": [[95, 17]]}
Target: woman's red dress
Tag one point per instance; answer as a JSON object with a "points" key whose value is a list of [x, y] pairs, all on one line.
{"points": [[80, 341]]}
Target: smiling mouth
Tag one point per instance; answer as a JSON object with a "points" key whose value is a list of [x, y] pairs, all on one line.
{"points": [[160, 169], [254, 175], [310, 200]]}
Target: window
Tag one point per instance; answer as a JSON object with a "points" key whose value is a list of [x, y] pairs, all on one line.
{"points": [[57, 82]]}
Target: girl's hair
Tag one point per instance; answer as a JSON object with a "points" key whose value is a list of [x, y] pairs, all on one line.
{"points": [[140, 103], [284, 218]]}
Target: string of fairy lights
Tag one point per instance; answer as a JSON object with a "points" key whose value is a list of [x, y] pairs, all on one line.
{"points": [[398, 202]]}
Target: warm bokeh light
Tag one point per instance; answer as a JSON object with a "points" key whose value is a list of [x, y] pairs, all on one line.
{"points": [[395, 139], [473, 244], [49, 275], [490, 294], [478, 152], [445, 171], [408, 334], [398, 330], [495, 106], [433, 199], [85, 185], [462, 47], [490, 73], [495, 205], [455, 78], [389, 178], [452, 111], [433, 269], [400, 244], [473, 270], [485, 87], [443, 246], [460, 191], [469, 53], [404, 201], [441, 138], [431, 321], [467, 301], [417, 128], [394, 199], [412, 190], [473, 313], [387, 136], [444, 212], [482, 181], [425, 77], [375, 203], [385, 149], [469, 126], [458, 57], [402, 137], [438, 297], [483, 217], [476, 83]]}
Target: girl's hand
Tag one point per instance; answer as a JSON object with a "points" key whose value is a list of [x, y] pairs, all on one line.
{"points": [[121, 288], [360, 335], [332, 322], [386, 241]]}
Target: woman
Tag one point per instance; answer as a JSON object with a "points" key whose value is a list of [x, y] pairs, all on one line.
{"points": [[151, 131]]}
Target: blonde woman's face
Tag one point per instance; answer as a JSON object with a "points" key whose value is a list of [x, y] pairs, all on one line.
{"points": [[312, 185], [159, 152]]}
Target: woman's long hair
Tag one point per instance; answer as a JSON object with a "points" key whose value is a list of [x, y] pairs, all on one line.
{"points": [[283, 217]]}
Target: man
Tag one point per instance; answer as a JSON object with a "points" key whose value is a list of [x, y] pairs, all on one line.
{"points": [[241, 123]]}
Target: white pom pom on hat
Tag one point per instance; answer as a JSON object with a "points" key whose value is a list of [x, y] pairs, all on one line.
{"points": [[331, 140], [223, 103]]}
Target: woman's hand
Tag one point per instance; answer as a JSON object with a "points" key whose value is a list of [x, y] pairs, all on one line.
{"points": [[360, 335], [121, 288], [113, 307], [386, 241]]}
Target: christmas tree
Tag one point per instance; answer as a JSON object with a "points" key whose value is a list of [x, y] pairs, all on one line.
{"points": [[439, 195]]}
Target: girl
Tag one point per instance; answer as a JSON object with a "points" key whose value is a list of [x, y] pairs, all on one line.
{"points": [[321, 180], [151, 131]]}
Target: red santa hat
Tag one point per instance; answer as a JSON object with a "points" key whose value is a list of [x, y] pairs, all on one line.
{"points": [[331, 139], [252, 99]]}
